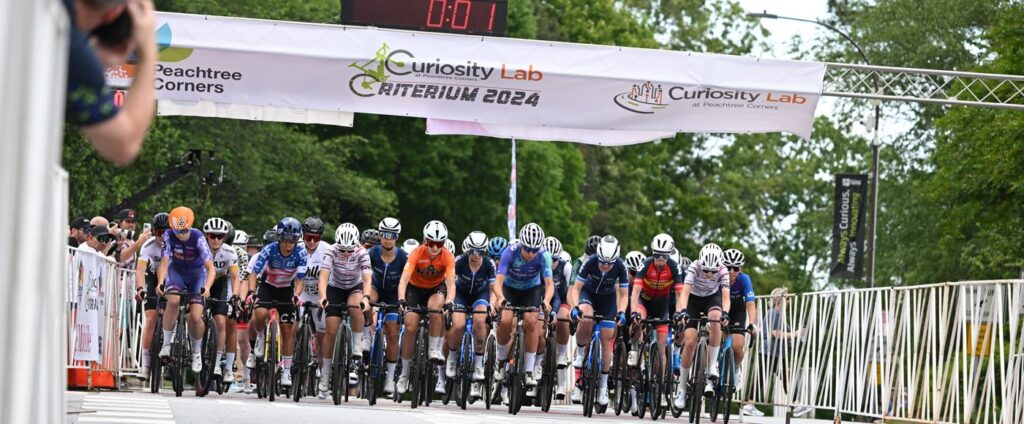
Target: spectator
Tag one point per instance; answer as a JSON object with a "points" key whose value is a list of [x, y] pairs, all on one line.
{"points": [[127, 245], [117, 134], [780, 341], [98, 240], [78, 231]]}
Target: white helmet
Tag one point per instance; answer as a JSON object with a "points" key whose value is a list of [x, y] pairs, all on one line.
{"points": [[241, 238], [663, 244], [465, 244], [553, 246], [635, 261], [710, 256], [475, 240], [733, 257], [389, 224], [215, 226], [435, 231], [410, 245], [683, 262], [347, 235], [532, 236], [450, 245], [565, 257], [608, 249]]}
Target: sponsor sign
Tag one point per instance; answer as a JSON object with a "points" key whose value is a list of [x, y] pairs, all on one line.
{"points": [[848, 226]]}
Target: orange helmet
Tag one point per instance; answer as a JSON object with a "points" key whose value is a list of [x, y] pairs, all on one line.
{"points": [[181, 218]]}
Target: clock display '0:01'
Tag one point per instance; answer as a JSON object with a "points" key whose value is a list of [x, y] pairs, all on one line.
{"points": [[482, 17]]}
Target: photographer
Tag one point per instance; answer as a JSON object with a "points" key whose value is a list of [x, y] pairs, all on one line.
{"points": [[117, 134]]}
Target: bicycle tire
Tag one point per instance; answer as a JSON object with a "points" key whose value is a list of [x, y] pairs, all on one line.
{"points": [[179, 354], [696, 386], [591, 377], [517, 391], [671, 383], [375, 372], [713, 402], [619, 375], [464, 375], [339, 370], [415, 374], [429, 382], [655, 372], [301, 358], [729, 386], [642, 385], [156, 373], [550, 367], [205, 378], [490, 357], [274, 383]]}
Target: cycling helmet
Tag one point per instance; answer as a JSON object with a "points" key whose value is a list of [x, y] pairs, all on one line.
{"points": [[608, 249], [450, 245], [230, 236], [347, 235], [565, 256], [465, 245], [733, 257], [270, 236], [254, 242], [553, 246], [710, 257], [635, 260], [313, 225], [216, 226], [591, 247], [370, 236], [495, 246], [241, 238], [389, 224], [161, 221], [532, 236], [410, 245], [181, 218], [662, 244], [475, 240], [289, 229], [435, 231]]}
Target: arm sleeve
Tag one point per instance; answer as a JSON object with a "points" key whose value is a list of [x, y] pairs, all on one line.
{"points": [[300, 270], [256, 264], [204, 249]]}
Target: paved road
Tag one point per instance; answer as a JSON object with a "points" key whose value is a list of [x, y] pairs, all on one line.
{"points": [[147, 408]]}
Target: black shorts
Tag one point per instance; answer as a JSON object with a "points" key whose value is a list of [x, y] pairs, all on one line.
{"points": [[388, 297], [283, 295], [656, 308], [416, 297], [738, 313], [702, 305], [219, 291], [339, 298], [523, 298], [151, 296]]}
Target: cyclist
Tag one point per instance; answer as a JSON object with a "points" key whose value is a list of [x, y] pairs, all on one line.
{"points": [[252, 248], [588, 250], [495, 246], [344, 276], [705, 291], [634, 262], [409, 245], [524, 279], [241, 243], [474, 275], [388, 261], [370, 238], [428, 281], [145, 282], [186, 265], [601, 288], [281, 267], [316, 248], [225, 284], [655, 288], [561, 274], [742, 291]]}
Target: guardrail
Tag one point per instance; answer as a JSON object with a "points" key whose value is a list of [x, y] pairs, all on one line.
{"points": [[951, 352]]}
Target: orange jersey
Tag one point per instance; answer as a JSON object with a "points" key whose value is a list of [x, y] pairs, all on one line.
{"points": [[426, 272]]}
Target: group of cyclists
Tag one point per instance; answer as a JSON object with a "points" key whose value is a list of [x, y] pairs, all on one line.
{"points": [[530, 290]]}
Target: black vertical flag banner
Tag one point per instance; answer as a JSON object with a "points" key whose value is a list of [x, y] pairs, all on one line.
{"points": [[848, 227]]}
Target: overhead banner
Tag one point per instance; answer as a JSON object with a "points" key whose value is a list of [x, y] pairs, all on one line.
{"points": [[593, 93], [848, 226]]}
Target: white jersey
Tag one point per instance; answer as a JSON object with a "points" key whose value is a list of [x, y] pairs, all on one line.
{"points": [[703, 286], [150, 253], [311, 282], [243, 262], [224, 260]]}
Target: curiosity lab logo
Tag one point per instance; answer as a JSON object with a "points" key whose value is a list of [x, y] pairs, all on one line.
{"points": [[643, 98], [166, 53]]}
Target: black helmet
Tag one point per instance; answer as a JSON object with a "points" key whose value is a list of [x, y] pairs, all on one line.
{"points": [[270, 236], [231, 234], [591, 246], [313, 225], [370, 236], [254, 242], [160, 221]]}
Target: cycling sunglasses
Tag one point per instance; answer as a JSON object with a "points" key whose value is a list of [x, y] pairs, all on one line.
{"points": [[390, 235], [476, 252], [346, 249], [603, 262], [709, 270], [431, 243], [289, 239], [215, 236], [184, 231], [531, 249], [105, 238], [734, 268], [662, 256], [159, 232], [311, 238]]}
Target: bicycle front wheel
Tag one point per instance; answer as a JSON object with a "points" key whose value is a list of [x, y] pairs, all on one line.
{"points": [[618, 377], [697, 383], [156, 372], [490, 357], [655, 372], [728, 385], [274, 384], [339, 370], [301, 358]]}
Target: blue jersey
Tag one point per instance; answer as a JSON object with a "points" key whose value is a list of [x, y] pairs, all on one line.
{"points": [[521, 274], [469, 282], [742, 287], [189, 254], [281, 270], [602, 283], [386, 275]]}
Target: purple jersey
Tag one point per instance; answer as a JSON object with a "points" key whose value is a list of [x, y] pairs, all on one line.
{"points": [[188, 254]]}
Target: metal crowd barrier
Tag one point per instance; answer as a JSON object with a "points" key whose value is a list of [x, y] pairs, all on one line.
{"points": [[950, 352]]}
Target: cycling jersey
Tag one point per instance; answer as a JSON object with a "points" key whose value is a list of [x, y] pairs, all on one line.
{"points": [[281, 271], [311, 282], [151, 253], [188, 254], [426, 272], [742, 288], [473, 282], [701, 284], [521, 274], [576, 265], [224, 260], [655, 283], [386, 275], [346, 272], [602, 283], [243, 262], [561, 275]]}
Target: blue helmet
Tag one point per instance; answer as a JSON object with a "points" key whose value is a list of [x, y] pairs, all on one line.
{"points": [[289, 229], [495, 246]]}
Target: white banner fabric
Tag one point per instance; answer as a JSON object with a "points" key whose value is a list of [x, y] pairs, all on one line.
{"points": [[508, 85]]}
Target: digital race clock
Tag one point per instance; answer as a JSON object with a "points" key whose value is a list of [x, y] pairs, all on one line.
{"points": [[484, 17]]}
